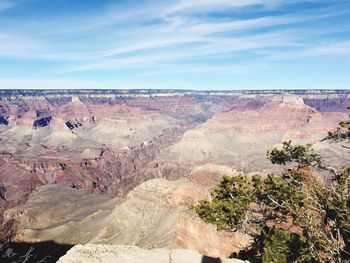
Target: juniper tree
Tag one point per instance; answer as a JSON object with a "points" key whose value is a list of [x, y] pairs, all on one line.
{"points": [[318, 210]]}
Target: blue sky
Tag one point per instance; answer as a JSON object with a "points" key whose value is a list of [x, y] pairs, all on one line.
{"points": [[184, 44]]}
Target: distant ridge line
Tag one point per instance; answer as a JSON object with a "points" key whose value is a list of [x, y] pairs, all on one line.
{"points": [[43, 92]]}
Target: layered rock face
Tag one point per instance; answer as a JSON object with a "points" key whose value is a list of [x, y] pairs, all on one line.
{"points": [[102, 143], [110, 142], [155, 214], [83, 157], [241, 136]]}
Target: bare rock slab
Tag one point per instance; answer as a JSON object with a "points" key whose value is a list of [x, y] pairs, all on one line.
{"points": [[92, 253]]}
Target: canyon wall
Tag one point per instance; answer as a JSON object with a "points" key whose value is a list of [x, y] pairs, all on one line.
{"points": [[117, 150]]}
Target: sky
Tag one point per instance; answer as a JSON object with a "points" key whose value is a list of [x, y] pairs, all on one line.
{"points": [[175, 44]]}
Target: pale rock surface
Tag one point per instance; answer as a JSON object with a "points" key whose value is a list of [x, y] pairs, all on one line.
{"points": [[92, 253], [209, 175]]}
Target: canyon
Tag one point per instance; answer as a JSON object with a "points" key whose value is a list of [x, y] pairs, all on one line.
{"points": [[121, 168]]}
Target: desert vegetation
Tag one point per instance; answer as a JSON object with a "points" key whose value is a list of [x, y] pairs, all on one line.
{"points": [[300, 215]]}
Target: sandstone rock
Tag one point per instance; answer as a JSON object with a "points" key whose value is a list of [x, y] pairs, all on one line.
{"points": [[240, 137], [110, 142], [235, 129], [91, 253]]}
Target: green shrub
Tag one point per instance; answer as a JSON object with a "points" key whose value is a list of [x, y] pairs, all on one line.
{"points": [[321, 211], [230, 200], [280, 246]]}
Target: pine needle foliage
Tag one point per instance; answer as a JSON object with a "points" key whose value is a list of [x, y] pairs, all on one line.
{"points": [[319, 210]]}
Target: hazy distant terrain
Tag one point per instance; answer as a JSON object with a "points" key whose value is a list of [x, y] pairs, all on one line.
{"points": [[89, 154]]}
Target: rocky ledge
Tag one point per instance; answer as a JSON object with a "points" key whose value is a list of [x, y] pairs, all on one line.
{"points": [[91, 253]]}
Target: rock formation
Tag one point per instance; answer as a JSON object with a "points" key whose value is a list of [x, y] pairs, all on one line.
{"points": [[94, 166], [91, 253], [155, 214], [241, 136]]}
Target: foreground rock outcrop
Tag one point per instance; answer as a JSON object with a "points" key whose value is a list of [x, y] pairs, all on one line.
{"points": [[91, 253]]}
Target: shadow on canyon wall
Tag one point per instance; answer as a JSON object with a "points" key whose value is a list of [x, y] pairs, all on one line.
{"points": [[206, 259], [47, 252]]}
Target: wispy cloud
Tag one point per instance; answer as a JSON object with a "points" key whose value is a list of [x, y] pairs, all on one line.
{"points": [[6, 4], [74, 83], [179, 36], [330, 48], [199, 6], [208, 47]]}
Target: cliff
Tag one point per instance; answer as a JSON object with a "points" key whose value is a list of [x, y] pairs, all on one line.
{"points": [[155, 214]]}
